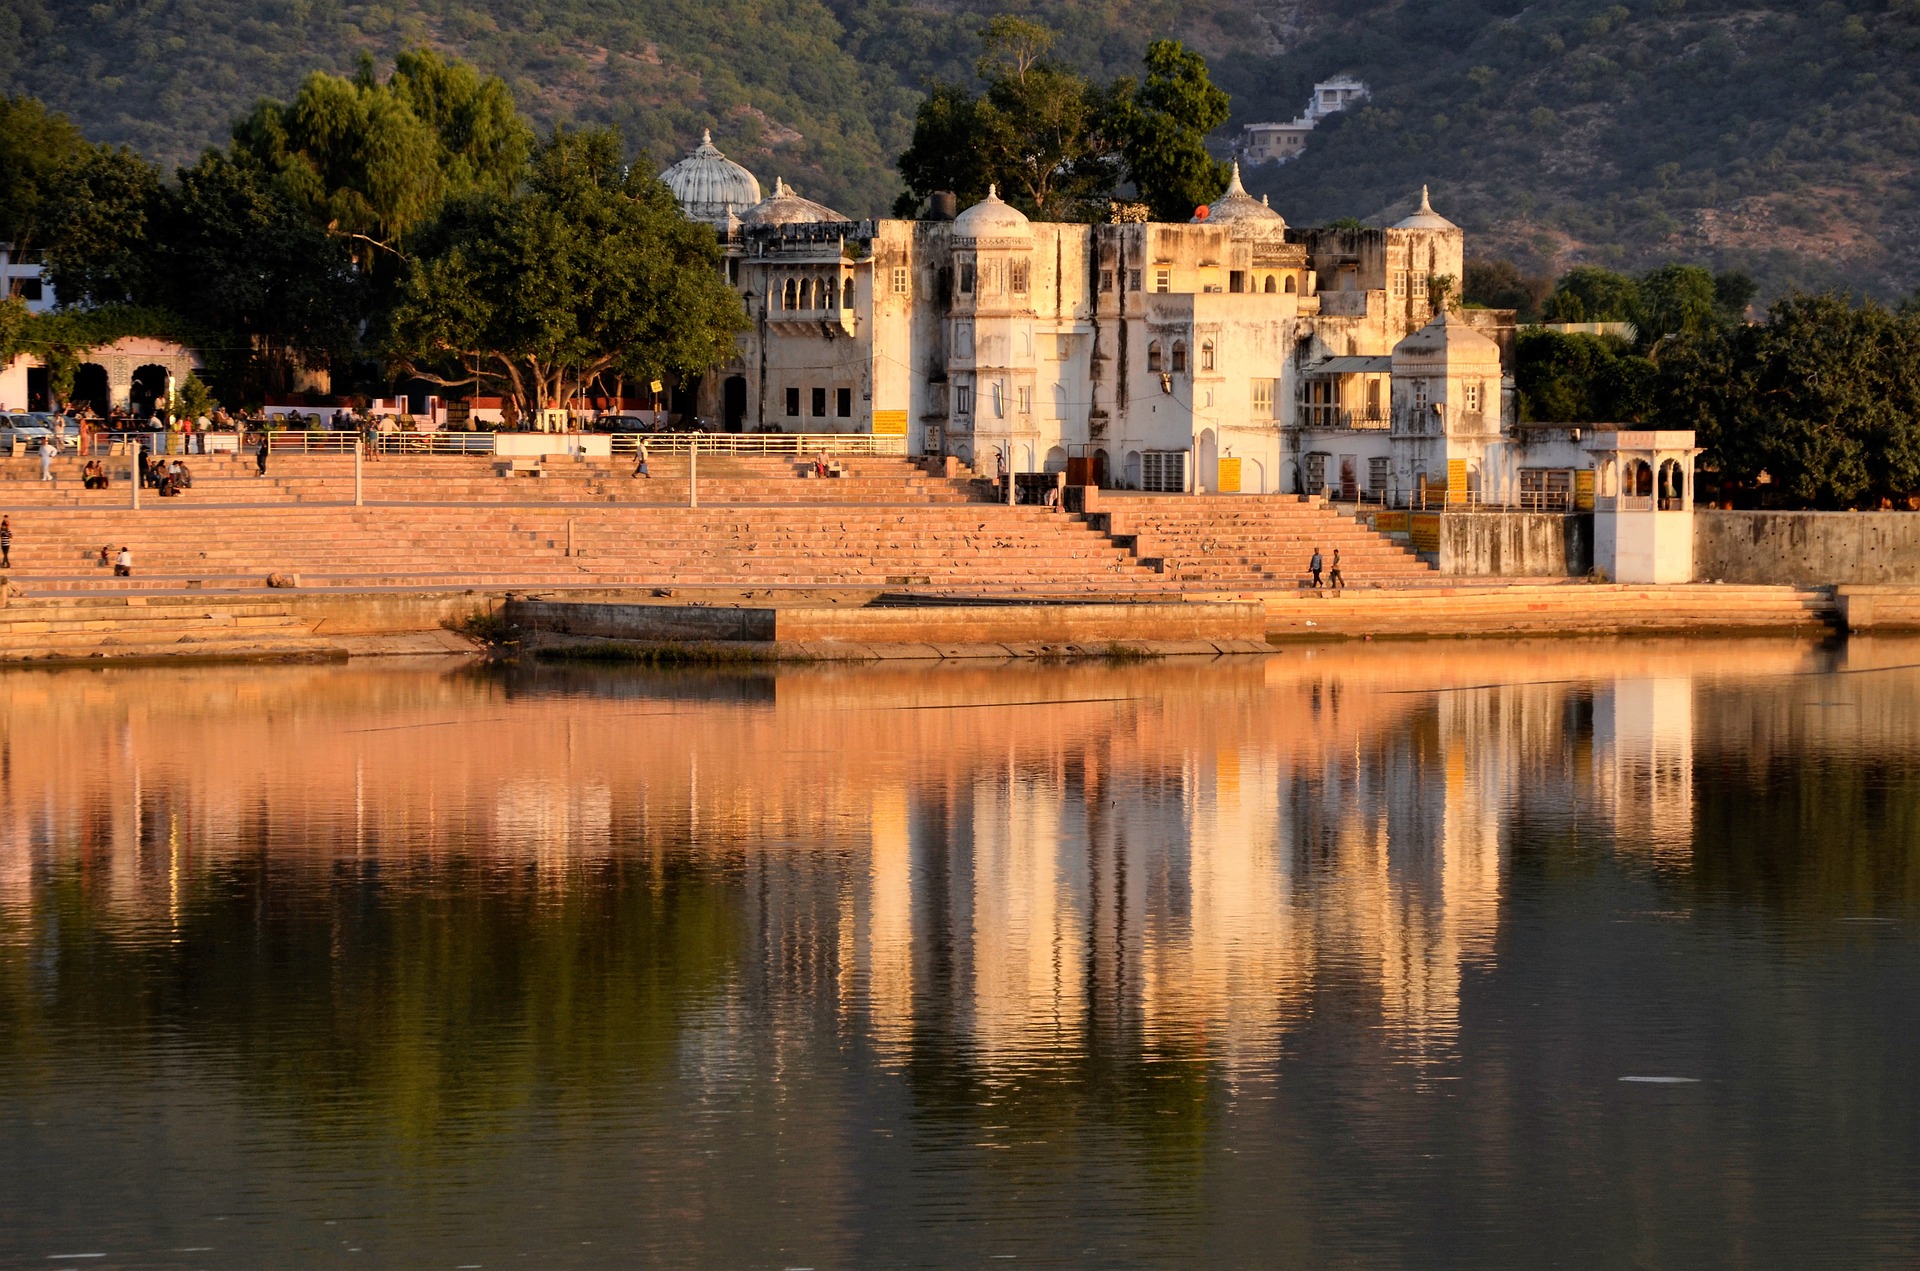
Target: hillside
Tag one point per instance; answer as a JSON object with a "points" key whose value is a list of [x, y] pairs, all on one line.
{"points": [[1778, 137]]}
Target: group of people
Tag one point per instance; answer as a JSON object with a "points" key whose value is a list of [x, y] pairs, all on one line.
{"points": [[93, 475], [169, 478], [122, 562]]}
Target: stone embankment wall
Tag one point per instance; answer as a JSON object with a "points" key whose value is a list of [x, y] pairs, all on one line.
{"points": [[1515, 544], [1807, 549]]}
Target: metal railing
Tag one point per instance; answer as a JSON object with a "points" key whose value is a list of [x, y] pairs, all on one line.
{"points": [[757, 443], [1325, 416]]}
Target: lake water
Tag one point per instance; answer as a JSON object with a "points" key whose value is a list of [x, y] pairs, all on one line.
{"points": [[1453, 954]]}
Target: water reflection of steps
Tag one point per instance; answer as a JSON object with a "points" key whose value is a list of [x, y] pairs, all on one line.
{"points": [[152, 626]]}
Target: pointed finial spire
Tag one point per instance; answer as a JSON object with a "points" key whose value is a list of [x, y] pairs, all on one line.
{"points": [[779, 187], [1425, 204], [1234, 187], [993, 190], [1265, 201], [706, 136]]}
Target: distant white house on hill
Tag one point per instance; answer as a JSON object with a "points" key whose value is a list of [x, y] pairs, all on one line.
{"points": [[1277, 143]]}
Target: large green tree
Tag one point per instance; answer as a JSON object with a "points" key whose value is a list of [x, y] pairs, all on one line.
{"points": [[38, 150], [1161, 129], [589, 270], [371, 160], [1035, 130], [1821, 398]]}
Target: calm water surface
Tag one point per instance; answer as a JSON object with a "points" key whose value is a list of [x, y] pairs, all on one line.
{"points": [[1579, 953]]}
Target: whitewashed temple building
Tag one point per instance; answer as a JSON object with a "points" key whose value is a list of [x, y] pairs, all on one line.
{"points": [[1230, 353]]}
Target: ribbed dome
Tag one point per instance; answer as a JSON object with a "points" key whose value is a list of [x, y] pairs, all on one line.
{"points": [[784, 207], [710, 186], [1426, 217], [1237, 209], [991, 218]]}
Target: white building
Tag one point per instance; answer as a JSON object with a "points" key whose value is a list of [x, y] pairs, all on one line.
{"points": [[1232, 353], [1279, 142], [22, 278]]}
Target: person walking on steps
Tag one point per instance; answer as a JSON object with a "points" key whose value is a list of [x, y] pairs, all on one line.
{"points": [[640, 463], [46, 458], [260, 457], [6, 543], [1314, 567], [1334, 578]]}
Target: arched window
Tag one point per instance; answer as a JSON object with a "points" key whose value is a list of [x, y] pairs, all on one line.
{"points": [[1289, 284], [790, 295], [1179, 355], [1642, 479], [1673, 486], [1270, 288], [846, 295], [1206, 355], [1153, 355]]}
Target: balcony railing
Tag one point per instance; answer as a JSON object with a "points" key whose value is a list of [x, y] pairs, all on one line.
{"points": [[1324, 416]]}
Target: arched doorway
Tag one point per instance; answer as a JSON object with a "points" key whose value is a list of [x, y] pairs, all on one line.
{"points": [[1133, 470], [149, 388], [90, 388], [1101, 474], [734, 402], [1056, 460], [1253, 477], [1206, 476]]}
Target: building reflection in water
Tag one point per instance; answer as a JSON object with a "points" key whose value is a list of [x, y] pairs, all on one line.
{"points": [[1028, 862]]}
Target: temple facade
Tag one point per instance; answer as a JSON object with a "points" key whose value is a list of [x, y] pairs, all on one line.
{"points": [[1230, 353]]}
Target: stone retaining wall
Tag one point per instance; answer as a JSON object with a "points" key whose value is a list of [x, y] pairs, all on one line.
{"points": [[1515, 544], [1808, 549]]}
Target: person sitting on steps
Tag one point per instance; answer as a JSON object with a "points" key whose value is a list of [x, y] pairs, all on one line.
{"points": [[123, 564]]}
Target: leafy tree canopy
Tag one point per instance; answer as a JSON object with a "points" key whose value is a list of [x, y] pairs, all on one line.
{"points": [[1060, 145], [38, 148], [371, 160], [1161, 131], [589, 270]]}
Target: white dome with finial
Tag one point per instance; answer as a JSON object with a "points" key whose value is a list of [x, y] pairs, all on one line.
{"points": [[709, 186], [991, 218], [785, 207], [1237, 209], [1426, 217]]}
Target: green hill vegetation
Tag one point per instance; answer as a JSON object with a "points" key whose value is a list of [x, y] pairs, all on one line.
{"points": [[1782, 138]]}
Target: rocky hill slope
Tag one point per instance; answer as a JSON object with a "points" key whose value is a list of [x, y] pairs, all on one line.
{"points": [[1778, 136]]}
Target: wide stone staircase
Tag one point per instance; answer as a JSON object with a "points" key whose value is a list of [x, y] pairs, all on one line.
{"points": [[315, 478], [455, 521], [1464, 608], [1260, 542], [938, 546]]}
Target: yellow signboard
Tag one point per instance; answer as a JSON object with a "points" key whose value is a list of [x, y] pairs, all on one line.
{"points": [[1425, 531], [889, 423], [1583, 490], [1229, 482], [1456, 481], [1389, 522]]}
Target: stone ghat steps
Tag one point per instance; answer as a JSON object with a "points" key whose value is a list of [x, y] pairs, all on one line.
{"points": [[566, 487], [998, 548], [71, 627], [1579, 609], [1255, 541]]}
